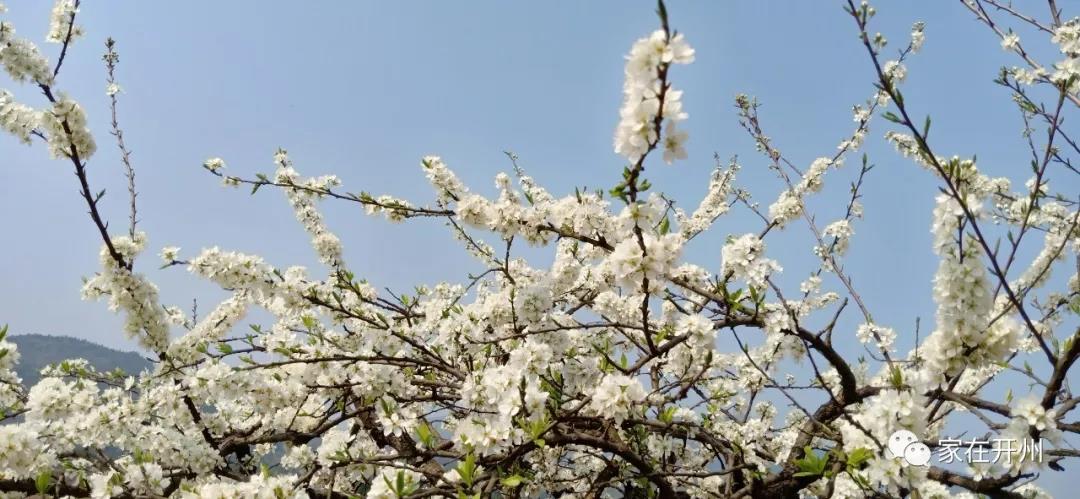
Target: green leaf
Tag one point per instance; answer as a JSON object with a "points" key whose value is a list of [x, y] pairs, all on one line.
{"points": [[897, 378], [467, 469], [513, 480], [43, 481], [811, 464], [664, 333], [424, 434], [857, 457]]}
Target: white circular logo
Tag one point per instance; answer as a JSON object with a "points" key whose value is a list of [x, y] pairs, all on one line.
{"points": [[917, 454], [906, 445]]}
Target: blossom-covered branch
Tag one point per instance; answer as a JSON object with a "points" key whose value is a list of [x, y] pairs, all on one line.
{"points": [[600, 371]]}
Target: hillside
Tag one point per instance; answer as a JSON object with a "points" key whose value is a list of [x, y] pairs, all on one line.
{"points": [[37, 351]]}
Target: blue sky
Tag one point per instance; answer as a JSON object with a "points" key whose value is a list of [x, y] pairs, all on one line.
{"points": [[364, 90]]}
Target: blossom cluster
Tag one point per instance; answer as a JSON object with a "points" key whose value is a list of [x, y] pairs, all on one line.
{"points": [[21, 58], [614, 367], [649, 101], [67, 129], [61, 22], [17, 119], [130, 292], [884, 337], [633, 265], [790, 203], [743, 258], [1067, 38], [302, 197], [964, 335]]}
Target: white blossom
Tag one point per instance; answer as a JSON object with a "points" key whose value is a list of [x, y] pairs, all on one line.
{"points": [[146, 478], [17, 119], [169, 254], [1010, 41], [61, 28], [615, 397], [646, 103], [743, 258], [918, 37], [214, 164], [21, 58], [1032, 412], [583, 345], [790, 203], [883, 337], [631, 266], [67, 129]]}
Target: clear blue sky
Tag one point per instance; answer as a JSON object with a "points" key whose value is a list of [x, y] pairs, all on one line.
{"points": [[365, 89]]}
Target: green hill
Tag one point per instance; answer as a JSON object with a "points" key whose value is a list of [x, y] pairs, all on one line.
{"points": [[38, 350]]}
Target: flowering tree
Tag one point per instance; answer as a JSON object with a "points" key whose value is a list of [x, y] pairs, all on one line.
{"points": [[599, 374]]}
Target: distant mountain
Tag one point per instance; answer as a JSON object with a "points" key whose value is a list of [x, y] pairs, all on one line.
{"points": [[37, 351]]}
